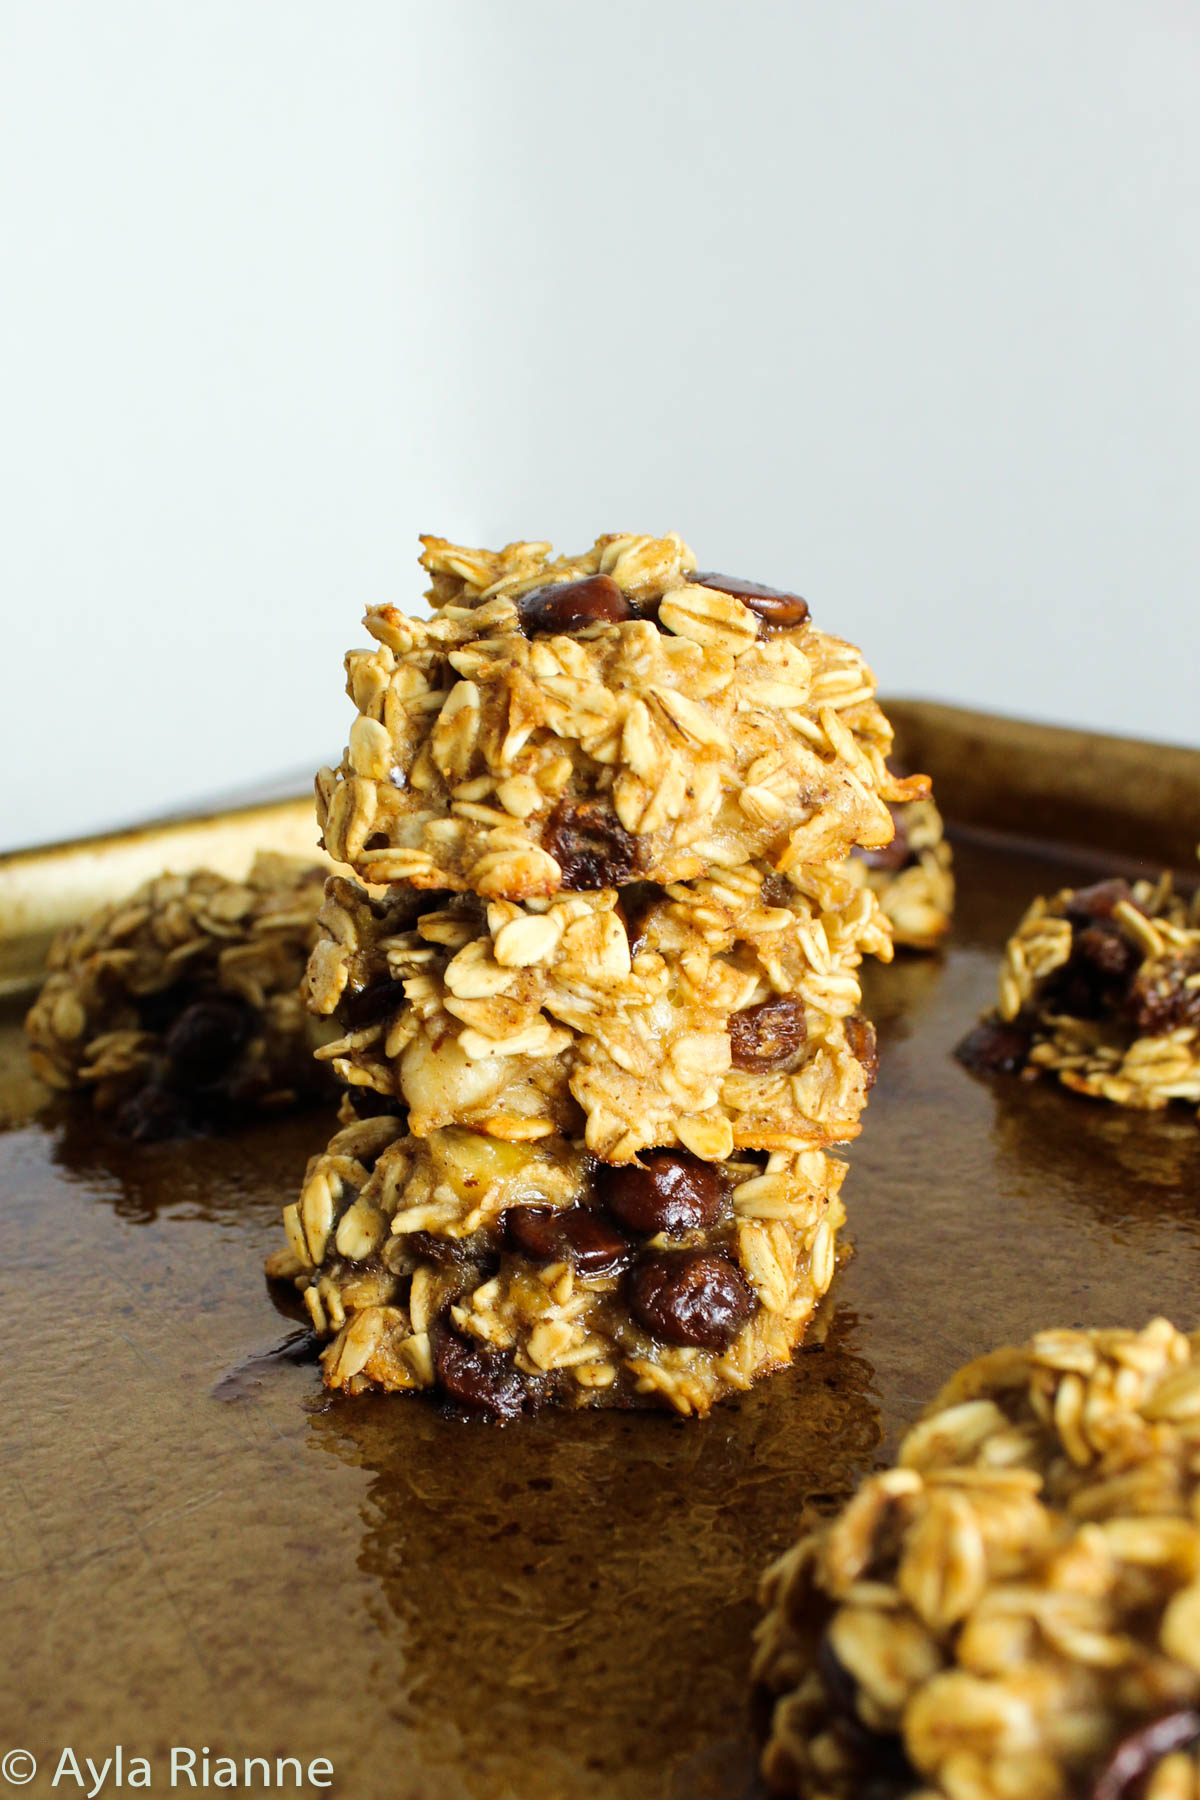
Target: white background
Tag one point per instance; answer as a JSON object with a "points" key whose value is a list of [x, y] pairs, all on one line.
{"points": [[893, 302]]}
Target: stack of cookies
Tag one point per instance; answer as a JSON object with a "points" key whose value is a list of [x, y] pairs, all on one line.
{"points": [[598, 997]]}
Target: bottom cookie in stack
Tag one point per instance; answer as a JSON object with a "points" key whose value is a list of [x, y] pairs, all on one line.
{"points": [[511, 1275]]}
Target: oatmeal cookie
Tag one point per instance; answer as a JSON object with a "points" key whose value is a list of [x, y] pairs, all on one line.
{"points": [[181, 1006], [509, 1275], [912, 876], [718, 1014], [601, 719], [1101, 987], [1014, 1609]]}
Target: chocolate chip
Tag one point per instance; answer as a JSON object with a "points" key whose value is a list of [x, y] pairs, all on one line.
{"points": [[573, 1234], [667, 1191], [1159, 999], [369, 1004], [772, 605], [768, 1036], [893, 856], [479, 1379], [570, 605], [995, 1048], [860, 1035], [590, 846], [1136, 1755], [690, 1297], [636, 903]]}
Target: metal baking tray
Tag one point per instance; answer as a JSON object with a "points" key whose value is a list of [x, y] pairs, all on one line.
{"points": [[203, 1550]]}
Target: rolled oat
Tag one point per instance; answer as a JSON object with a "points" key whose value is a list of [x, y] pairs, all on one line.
{"points": [[1014, 1609]]}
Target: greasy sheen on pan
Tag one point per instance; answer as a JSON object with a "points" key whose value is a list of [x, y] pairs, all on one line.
{"points": [[717, 1015], [181, 1004], [1014, 1609], [1100, 986], [504, 1276], [593, 720]]}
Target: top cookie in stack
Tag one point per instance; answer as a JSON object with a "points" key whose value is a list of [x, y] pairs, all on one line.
{"points": [[599, 1030], [599, 719]]}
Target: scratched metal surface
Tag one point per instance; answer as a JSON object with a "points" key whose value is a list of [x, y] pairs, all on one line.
{"points": [[199, 1549]]}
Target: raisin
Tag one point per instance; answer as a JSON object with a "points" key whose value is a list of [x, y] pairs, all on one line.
{"points": [[479, 1379], [206, 1040], [1097, 974], [1098, 901], [995, 1048], [667, 1191], [573, 1234], [891, 856], [590, 846], [690, 1297], [370, 1004], [1159, 1001], [1107, 949], [768, 1036], [860, 1035], [773, 606], [570, 605], [882, 1752], [1142, 1750]]}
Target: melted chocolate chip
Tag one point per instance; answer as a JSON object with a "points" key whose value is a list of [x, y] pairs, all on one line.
{"points": [[995, 1048], [590, 846], [690, 1297], [206, 1040], [636, 903], [478, 1379], [574, 1234], [1139, 1753], [768, 1036], [860, 1035], [893, 856], [667, 1191], [369, 1004], [772, 605], [570, 605]]}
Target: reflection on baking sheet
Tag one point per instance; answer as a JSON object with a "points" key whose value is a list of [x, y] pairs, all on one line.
{"points": [[553, 1580]]}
